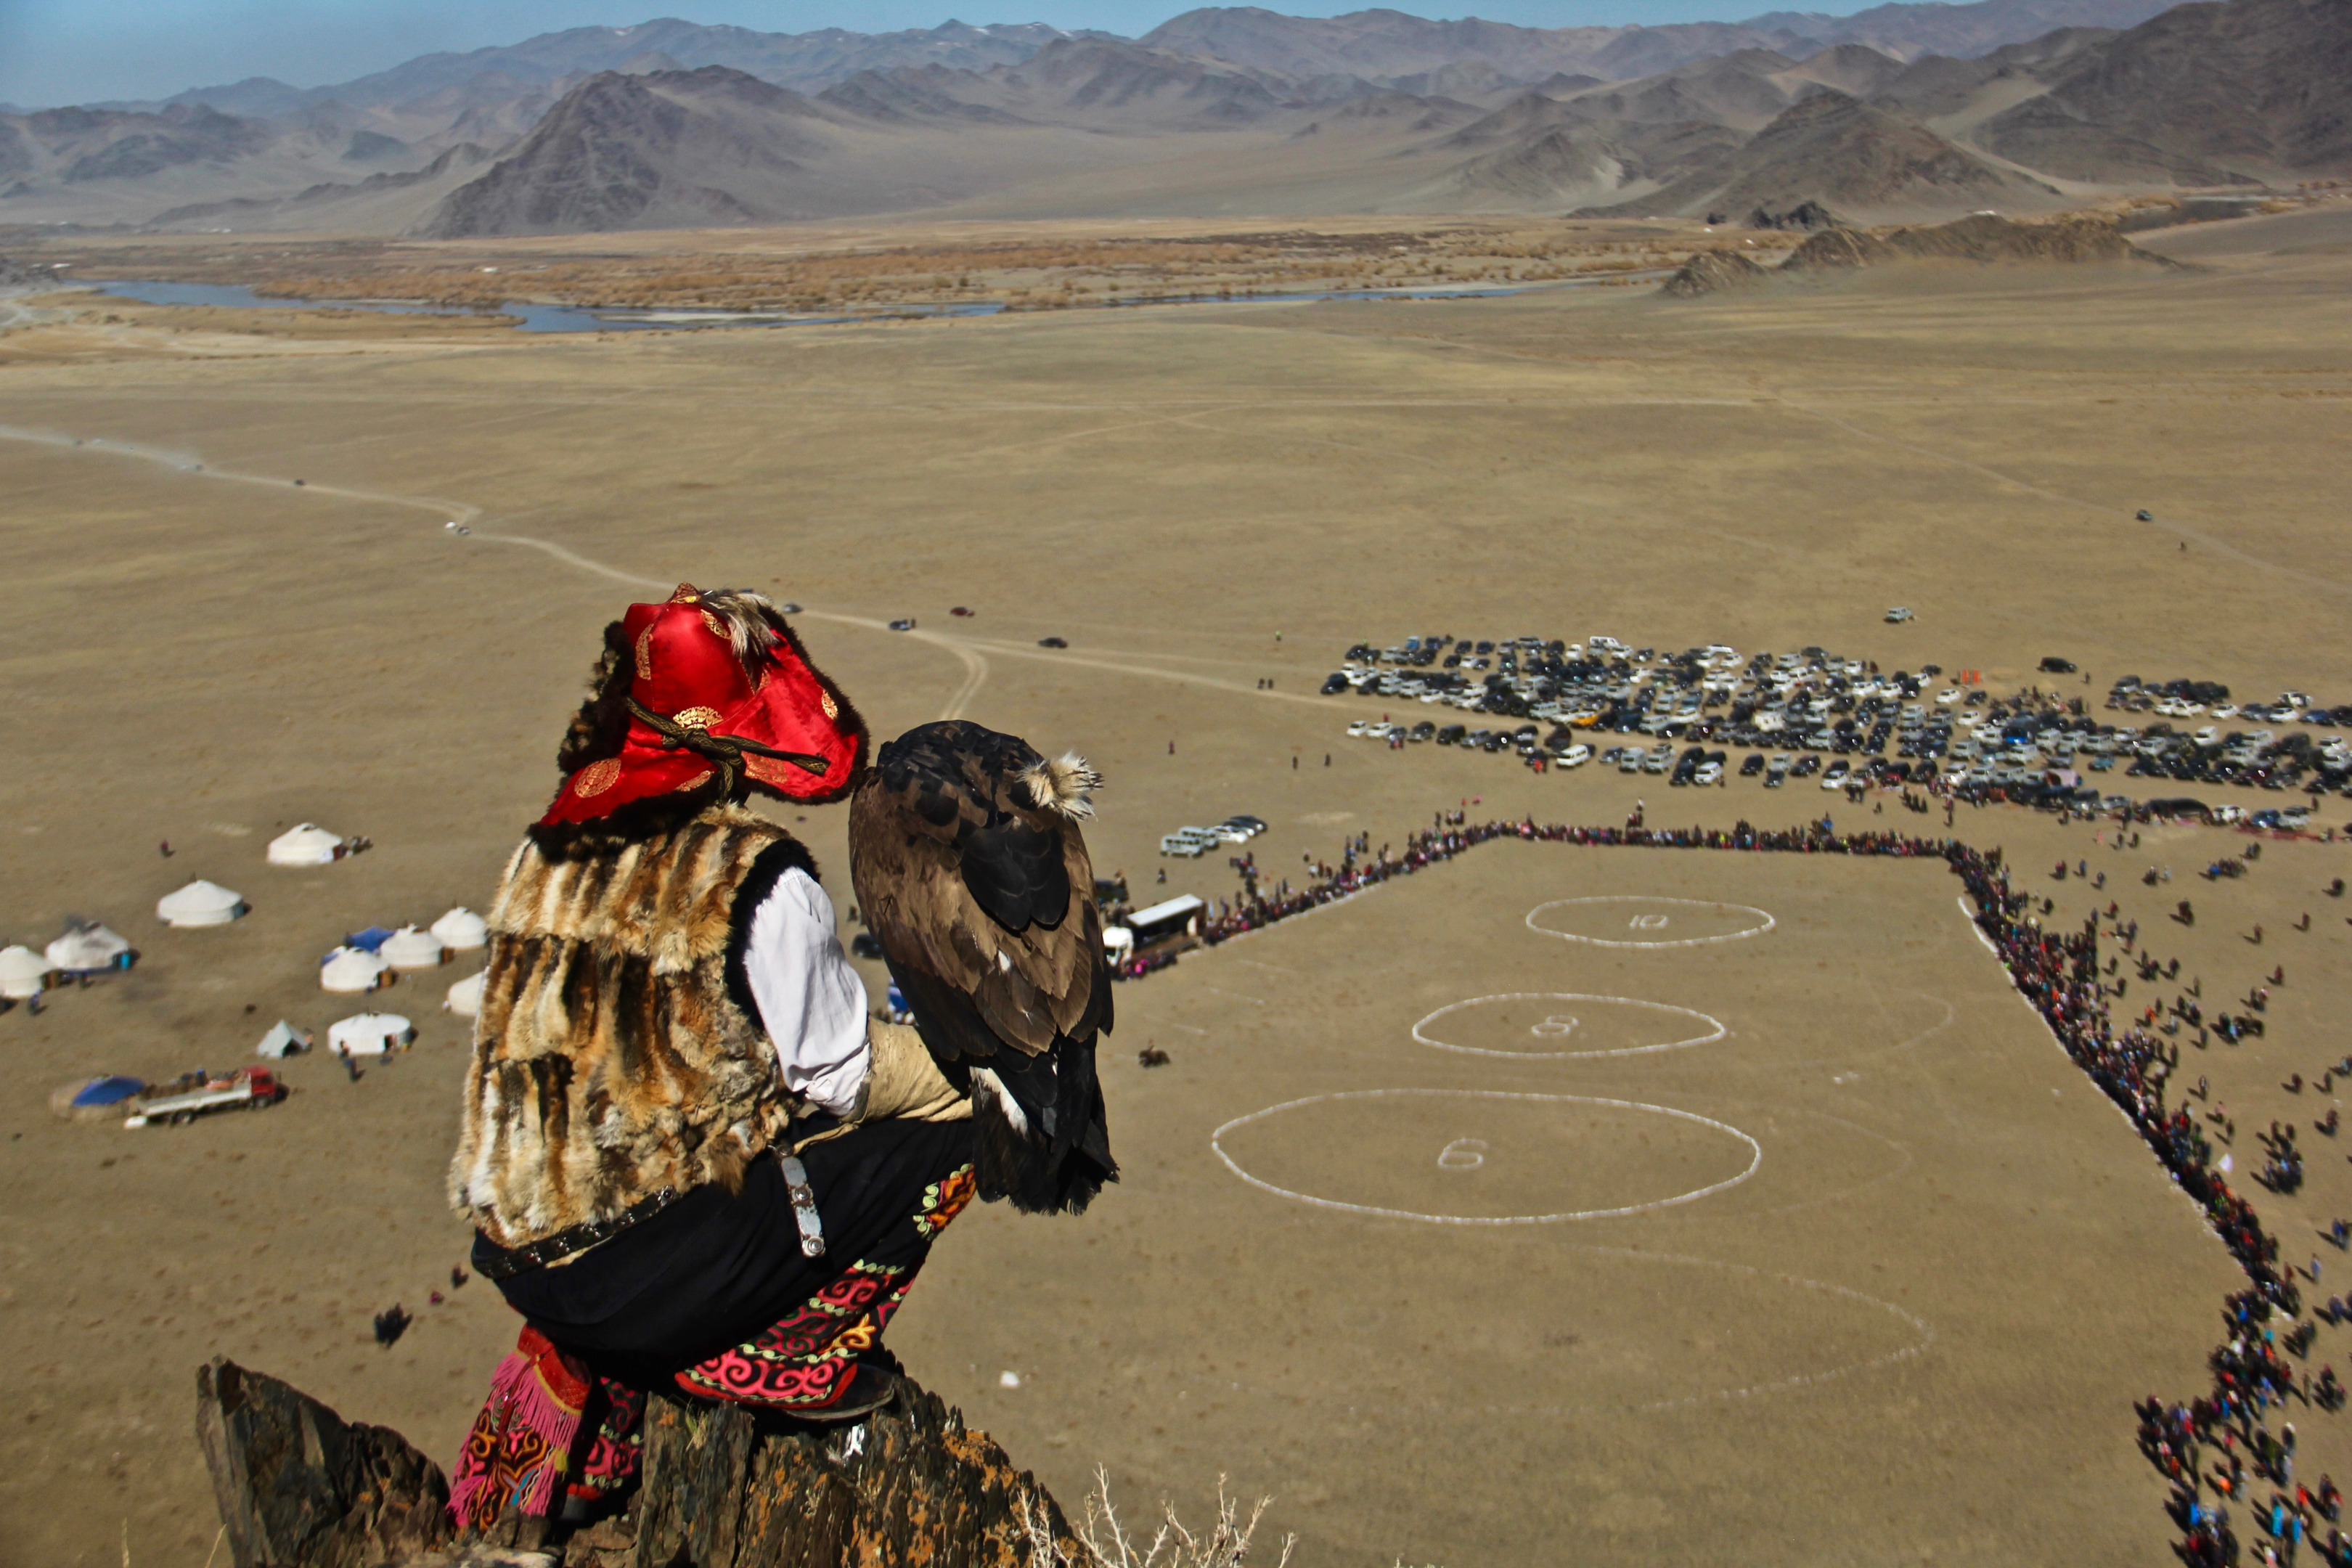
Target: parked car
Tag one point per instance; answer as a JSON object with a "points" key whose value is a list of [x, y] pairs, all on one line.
{"points": [[960, 610], [1575, 756], [1708, 774], [1423, 730], [1250, 826], [1752, 766], [1333, 684], [1898, 614], [2053, 664], [1063, 642], [904, 623]]}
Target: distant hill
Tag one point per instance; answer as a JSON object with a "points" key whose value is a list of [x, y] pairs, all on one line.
{"points": [[1234, 109], [1835, 151], [1961, 32], [2204, 94]]}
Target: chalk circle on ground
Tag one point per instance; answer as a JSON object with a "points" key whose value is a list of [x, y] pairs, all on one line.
{"points": [[1455, 1156], [1565, 1026], [1645, 919]]}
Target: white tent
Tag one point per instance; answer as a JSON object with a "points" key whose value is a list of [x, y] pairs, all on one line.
{"points": [[307, 844], [200, 903], [370, 1034], [353, 969], [409, 948], [466, 997], [24, 974], [1118, 943], [462, 931], [283, 1040], [90, 950]]}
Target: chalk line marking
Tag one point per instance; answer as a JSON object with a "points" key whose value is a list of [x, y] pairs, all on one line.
{"points": [[1755, 1162], [1652, 899], [1720, 1031], [1463, 1154], [1918, 1347]]}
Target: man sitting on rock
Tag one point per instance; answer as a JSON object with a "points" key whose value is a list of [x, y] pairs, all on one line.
{"points": [[690, 1158]]}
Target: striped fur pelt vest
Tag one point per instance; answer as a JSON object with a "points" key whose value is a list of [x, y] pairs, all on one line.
{"points": [[618, 1051]]}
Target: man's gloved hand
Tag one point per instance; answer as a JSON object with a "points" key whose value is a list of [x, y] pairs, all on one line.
{"points": [[902, 1080]]}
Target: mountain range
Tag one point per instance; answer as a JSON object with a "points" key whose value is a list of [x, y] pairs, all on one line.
{"points": [[1901, 111]]}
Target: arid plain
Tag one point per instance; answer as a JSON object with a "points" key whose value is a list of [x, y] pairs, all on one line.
{"points": [[1912, 1332]]}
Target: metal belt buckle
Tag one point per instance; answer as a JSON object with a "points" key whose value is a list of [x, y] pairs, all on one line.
{"points": [[804, 1215]]}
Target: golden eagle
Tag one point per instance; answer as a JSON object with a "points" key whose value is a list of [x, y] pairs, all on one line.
{"points": [[966, 857]]}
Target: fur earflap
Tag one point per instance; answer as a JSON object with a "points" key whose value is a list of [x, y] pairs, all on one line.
{"points": [[1066, 784], [601, 726]]}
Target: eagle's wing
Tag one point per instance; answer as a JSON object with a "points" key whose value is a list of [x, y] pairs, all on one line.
{"points": [[994, 927], [983, 902]]}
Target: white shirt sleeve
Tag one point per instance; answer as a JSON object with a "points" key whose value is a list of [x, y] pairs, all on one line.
{"points": [[810, 1001]]}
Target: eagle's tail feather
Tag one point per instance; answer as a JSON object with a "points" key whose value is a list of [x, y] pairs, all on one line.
{"points": [[1039, 1130]]}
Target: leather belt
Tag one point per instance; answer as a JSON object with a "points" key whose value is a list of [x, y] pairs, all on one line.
{"points": [[497, 1262]]}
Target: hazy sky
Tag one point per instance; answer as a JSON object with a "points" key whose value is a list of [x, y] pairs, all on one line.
{"points": [[80, 51]]}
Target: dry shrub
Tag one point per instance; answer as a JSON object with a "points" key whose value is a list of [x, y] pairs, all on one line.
{"points": [[1226, 1545]]}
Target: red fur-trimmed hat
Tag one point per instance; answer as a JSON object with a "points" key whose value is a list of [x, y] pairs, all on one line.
{"points": [[705, 687]]}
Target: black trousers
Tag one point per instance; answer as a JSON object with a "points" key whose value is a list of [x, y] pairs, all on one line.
{"points": [[712, 1269]]}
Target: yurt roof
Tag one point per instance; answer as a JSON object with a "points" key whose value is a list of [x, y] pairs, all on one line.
{"points": [[307, 844], [409, 948], [200, 903], [23, 972], [349, 969], [363, 1032], [462, 930], [87, 947], [466, 996]]}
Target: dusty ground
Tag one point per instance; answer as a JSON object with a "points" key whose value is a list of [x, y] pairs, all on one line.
{"points": [[1911, 1332]]}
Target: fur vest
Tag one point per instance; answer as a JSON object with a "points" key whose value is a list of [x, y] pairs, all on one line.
{"points": [[618, 1051]]}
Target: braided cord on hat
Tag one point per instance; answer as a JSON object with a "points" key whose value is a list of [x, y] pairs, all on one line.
{"points": [[726, 751]]}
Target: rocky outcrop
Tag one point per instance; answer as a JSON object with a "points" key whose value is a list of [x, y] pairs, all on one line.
{"points": [[724, 1487], [1712, 272], [1806, 216], [1981, 239], [299, 1486]]}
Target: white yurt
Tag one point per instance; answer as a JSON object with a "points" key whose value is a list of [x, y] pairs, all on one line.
{"points": [[352, 970], [200, 903], [409, 948], [466, 997], [88, 949], [462, 931], [306, 844], [24, 974], [283, 1040], [370, 1034]]}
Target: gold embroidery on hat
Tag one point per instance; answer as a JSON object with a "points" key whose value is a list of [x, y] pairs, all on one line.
{"points": [[711, 623], [697, 782], [769, 769], [687, 594], [695, 717], [824, 701], [645, 653], [596, 778]]}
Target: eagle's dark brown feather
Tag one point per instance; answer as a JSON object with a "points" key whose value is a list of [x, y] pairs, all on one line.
{"points": [[968, 863]]}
